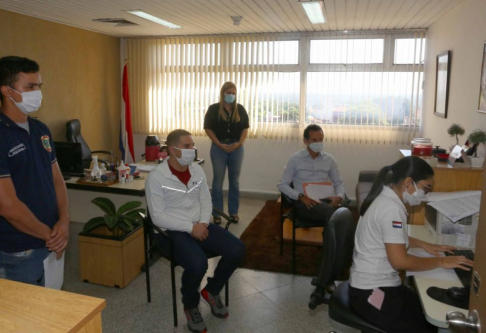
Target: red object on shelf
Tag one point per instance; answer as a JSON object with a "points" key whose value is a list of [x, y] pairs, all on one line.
{"points": [[419, 150]]}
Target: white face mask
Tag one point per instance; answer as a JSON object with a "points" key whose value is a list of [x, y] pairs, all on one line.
{"points": [[187, 157], [316, 147], [416, 198], [31, 101]]}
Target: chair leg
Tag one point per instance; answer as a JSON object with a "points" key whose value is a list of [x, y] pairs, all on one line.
{"points": [[174, 301], [226, 293], [293, 247], [147, 246], [281, 234]]}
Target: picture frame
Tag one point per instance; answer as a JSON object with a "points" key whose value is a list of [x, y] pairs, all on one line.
{"points": [[482, 84], [442, 82]]}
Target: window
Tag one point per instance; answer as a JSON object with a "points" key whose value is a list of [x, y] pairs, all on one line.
{"points": [[359, 86], [409, 51], [346, 51]]}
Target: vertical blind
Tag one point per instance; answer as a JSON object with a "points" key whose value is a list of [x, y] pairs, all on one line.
{"points": [[358, 86]]}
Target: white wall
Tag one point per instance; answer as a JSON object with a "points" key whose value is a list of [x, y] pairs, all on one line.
{"points": [[463, 31], [264, 160]]}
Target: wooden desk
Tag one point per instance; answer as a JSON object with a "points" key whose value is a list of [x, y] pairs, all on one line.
{"points": [[26, 308], [447, 179]]}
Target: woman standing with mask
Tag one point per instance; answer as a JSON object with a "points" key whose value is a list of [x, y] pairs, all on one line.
{"points": [[226, 123], [381, 242]]}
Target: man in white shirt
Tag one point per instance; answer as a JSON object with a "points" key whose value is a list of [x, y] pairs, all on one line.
{"points": [[310, 165], [179, 201]]}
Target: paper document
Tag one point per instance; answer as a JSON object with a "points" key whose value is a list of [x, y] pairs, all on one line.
{"points": [[54, 271], [144, 167], [458, 208], [438, 273], [317, 191], [439, 196]]}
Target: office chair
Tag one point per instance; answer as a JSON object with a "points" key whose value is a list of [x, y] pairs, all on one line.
{"points": [[287, 212], [150, 245], [338, 251], [73, 134]]}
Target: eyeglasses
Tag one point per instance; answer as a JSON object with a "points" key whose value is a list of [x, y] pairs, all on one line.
{"points": [[426, 188]]}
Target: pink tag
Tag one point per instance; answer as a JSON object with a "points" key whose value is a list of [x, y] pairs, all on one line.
{"points": [[376, 298]]}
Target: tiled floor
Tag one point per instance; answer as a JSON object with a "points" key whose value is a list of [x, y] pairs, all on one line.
{"points": [[259, 301]]}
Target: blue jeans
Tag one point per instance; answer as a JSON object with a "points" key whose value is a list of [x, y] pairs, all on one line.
{"points": [[220, 160], [26, 266], [190, 254]]}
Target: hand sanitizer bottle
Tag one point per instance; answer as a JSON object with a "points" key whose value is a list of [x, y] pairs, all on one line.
{"points": [[95, 172], [122, 170]]}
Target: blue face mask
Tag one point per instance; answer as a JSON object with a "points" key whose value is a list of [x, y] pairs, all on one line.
{"points": [[229, 98]]}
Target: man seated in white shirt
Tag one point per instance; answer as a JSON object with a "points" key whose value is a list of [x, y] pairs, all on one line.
{"points": [[179, 201], [311, 165]]}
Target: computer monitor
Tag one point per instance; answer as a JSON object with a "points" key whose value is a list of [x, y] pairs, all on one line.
{"points": [[70, 158]]}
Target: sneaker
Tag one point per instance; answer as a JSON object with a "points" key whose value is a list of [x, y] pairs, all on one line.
{"points": [[218, 309], [195, 321]]}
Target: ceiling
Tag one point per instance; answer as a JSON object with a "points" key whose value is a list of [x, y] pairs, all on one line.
{"points": [[202, 17]]}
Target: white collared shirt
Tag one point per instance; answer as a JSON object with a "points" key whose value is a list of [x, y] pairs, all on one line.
{"points": [[172, 204], [385, 221], [302, 168]]}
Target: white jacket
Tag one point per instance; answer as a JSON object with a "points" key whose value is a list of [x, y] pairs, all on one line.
{"points": [[173, 205]]}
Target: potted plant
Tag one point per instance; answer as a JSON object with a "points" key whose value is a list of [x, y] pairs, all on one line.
{"points": [[455, 130], [477, 137], [111, 246]]}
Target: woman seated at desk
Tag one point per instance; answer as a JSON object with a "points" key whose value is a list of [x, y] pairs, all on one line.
{"points": [[381, 242]]}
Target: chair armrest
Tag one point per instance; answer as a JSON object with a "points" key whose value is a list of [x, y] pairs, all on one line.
{"points": [[223, 215], [286, 200]]}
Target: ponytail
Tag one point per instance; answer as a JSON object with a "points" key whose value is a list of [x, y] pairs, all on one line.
{"points": [[375, 189], [411, 166]]}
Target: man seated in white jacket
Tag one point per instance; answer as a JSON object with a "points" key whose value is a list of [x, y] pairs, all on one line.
{"points": [[179, 201]]}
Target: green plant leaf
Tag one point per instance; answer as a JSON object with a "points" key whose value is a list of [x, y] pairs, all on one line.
{"points": [[128, 206], [125, 225], [105, 205], [94, 223], [134, 214], [111, 221]]}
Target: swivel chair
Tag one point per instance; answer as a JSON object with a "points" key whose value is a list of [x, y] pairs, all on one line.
{"points": [[73, 134], [338, 252], [151, 245]]}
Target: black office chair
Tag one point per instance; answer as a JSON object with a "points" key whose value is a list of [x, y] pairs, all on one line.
{"points": [[287, 212], [338, 252], [151, 245], [73, 134]]}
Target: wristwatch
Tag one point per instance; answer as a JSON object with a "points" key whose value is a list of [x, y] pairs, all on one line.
{"points": [[301, 195]]}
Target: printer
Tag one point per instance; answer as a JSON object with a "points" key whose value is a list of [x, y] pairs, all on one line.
{"points": [[445, 232]]}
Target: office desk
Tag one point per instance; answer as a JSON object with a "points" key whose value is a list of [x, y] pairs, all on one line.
{"points": [[435, 312], [82, 209], [26, 308], [447, 179]]}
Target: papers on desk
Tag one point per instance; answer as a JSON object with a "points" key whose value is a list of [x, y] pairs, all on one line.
{"points": [[456, 205], [319, 190], [144, 167], [438, 273]]}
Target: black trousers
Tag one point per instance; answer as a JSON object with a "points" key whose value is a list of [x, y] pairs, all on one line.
{"points": [[400, 312], [316, 216]]}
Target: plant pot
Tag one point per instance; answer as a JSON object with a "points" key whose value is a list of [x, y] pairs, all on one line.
{"points": [[477, 162], [111, 260]]}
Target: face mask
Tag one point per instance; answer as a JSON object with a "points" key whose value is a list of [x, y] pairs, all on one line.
{"points": [[316, 147], [228, 98], [187, 157], [416, 198], [31, 101]]}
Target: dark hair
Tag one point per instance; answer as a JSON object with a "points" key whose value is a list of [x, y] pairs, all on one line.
{"points": [[312, 127], [11, 66], [174, 137], [411, 166]]}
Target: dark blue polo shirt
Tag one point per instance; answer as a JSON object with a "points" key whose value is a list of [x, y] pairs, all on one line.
{"points": [[27, 160]]}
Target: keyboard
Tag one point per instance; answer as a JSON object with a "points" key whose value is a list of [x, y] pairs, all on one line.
{"points": [[464, 276]]}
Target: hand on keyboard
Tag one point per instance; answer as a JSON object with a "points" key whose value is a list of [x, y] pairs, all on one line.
{"points": [[434, 249], [456, 262]]}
